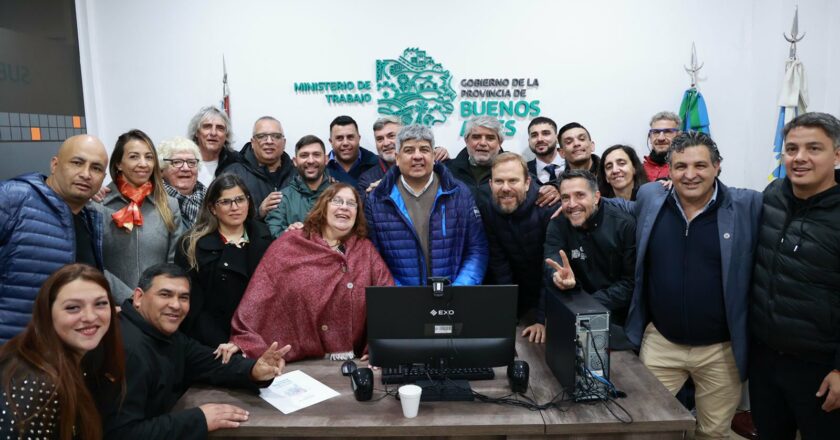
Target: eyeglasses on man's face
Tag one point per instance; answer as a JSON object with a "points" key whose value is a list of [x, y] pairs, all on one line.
{"points": [[178, 163], [263, 136], [654, 132]]}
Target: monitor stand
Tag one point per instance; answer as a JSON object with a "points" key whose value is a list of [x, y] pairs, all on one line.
{"points": [[445, 390]]}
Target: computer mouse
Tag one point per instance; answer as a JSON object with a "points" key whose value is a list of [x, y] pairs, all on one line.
{"points": [[348, 367], [361, 381], [518, 373]]}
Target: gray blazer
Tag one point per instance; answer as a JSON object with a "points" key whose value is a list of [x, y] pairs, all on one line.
{"points": [[127, 254]]}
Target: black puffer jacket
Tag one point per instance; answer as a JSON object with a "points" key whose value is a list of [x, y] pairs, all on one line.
{"points": [[795, 304], [257, 178], [516, 244]]}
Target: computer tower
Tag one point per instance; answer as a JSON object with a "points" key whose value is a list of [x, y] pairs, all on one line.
{"points": [[577, 344]]}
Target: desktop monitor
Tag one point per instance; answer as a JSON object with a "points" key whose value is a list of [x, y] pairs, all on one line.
{"points": [[460, 327]]}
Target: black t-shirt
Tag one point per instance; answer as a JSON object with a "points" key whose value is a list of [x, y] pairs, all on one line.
{"points": [[84, 242]]}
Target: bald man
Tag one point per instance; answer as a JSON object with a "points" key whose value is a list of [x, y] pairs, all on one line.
{"points": [[44, 225]]}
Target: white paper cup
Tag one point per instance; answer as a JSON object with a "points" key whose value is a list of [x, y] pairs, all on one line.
{"points": [[410, 399]]}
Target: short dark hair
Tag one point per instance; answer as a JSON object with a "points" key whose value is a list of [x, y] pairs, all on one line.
{"points": [[579, 174], [570, 126], [694, 139], [168, 270], [828, 123], [542, 120], [307, 140], [344, 120]]}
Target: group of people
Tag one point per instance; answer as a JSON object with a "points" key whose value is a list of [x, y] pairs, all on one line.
{"points": [[223, 265]]}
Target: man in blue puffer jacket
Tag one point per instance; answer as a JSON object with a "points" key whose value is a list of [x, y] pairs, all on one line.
{"points": [[423, 221], [44, 225]]}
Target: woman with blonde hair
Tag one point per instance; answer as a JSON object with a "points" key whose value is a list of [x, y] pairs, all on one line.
{"points": [[142, 223]]}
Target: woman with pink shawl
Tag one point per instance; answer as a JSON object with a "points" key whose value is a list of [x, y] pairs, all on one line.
{"points": [[309, 289]]}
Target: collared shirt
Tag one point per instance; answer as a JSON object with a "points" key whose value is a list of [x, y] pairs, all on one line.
{"points": [[411, 191], [339, 164], [243, 240], [682, 211], [542, 173]]}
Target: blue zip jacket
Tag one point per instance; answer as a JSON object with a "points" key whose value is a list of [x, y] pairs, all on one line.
{"points": [[36, 238], [457, 245]]}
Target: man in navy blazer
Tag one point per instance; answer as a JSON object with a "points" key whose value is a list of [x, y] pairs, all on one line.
{"points": [[694, 259]]}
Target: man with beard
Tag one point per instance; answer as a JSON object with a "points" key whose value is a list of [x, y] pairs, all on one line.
{"points": [[265, 167], [515, 228], [596, 244], [577, 148], [305, 187], [385, 136], [542, 140], [663, 130], [347, 160], [44, 224]]}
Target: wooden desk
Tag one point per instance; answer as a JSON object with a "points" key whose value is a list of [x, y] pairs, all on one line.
{"points": [[656, 414]]}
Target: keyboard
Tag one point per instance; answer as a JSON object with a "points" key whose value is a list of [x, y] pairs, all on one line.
{"points": [[412, 374]]}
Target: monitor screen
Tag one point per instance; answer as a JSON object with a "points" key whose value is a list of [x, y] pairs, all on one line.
{"points": [[465, 327]]}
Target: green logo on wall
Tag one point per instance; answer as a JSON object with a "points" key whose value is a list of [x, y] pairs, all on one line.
{"points": [[414, 88]]}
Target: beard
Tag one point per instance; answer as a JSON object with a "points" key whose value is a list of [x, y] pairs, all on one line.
{"points": [[658, 157]]}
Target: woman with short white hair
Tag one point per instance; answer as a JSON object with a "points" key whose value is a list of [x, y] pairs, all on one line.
{"points": [[180, 162]]}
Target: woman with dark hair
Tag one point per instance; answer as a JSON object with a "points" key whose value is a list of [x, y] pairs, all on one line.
{"points": [[621, 173], [220, 253], [44, 373], [309, 289], [142, 222]]}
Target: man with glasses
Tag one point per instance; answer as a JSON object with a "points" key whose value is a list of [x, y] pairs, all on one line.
{"points": [[347, 159], [265, 167], [423, 221], [179, 164], [664, 127]]}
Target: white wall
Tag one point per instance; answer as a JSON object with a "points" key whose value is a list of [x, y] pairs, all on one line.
{"points": [[606, 64]]}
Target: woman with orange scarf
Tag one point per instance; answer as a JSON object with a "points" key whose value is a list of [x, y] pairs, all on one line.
{"points": [[142, 222]]}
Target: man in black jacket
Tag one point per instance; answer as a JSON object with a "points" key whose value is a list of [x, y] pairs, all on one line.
{"points": [[265, 167], [483, 136], [795, 303], [161, 363], [210, 129], [515, 228], [577, 147], [596, 244]]}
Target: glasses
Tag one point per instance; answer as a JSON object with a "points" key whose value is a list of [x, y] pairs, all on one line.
{"points": [[178, 163], [654, 132], [263, 136], [338, 201], [227, 203]]}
